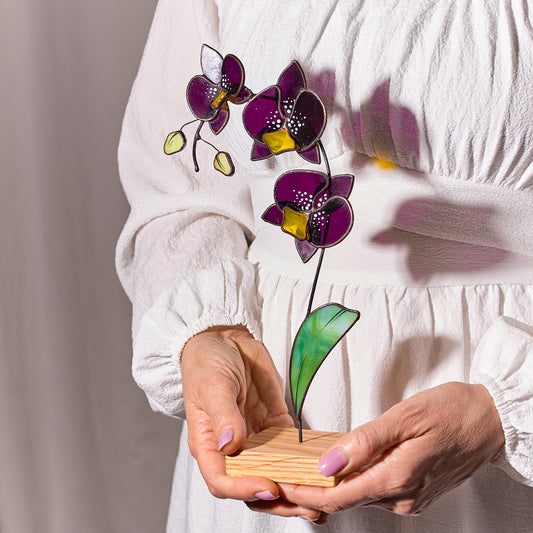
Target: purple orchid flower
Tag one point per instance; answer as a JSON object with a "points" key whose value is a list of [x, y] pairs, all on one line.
{"points": [[313, 208], [286, 116], [222, 80]]}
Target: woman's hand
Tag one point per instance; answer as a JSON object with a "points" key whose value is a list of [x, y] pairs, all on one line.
{"points": [[402, 461], [231, 390]]}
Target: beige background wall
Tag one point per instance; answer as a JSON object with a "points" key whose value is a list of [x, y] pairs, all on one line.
{"points": [[79, 449]]}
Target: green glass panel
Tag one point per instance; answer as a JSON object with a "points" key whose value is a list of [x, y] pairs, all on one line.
{"points": [[315, 339]]}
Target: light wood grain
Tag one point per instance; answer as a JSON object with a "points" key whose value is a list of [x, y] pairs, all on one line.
{"points": [[275, 453]]}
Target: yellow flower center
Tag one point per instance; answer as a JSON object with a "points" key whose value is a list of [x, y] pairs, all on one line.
{"points": [[279, 141], [295, 223], [219, 99]]}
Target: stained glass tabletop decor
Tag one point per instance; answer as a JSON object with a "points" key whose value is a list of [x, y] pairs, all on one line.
{"points": [[310, 206]]}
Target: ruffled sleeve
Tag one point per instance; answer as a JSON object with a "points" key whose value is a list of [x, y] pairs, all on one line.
{"points": [[181, 256], [503, 363]]}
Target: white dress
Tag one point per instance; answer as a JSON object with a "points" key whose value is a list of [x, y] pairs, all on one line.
{"points": [[440, 258]]}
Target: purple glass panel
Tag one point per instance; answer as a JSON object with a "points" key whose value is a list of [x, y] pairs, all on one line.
{"points": [[262, 114], [260, 151], [341, 185], [232, 75], [298, 189], [200, 93], [311, 154], [332, 223], [218, 123], [291, 82], [242, 97], [274, 215], [338, 186], [305, 250], [308, 120]]}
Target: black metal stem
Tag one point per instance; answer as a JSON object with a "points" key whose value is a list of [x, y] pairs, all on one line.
{"points": [[300, 438], [190, 122], [317, 273], [195, 142], [326, 160], [210, 144], [315, 281]]}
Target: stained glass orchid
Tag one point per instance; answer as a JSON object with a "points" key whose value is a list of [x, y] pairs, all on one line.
{"points": [[222, 81], [313, 208], [286, 116], [208, 95]]}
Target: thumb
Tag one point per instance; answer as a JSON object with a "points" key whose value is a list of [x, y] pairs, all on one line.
{"points": [[220, 405], [361, 447]]}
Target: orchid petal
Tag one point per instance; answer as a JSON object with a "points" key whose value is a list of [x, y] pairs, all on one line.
{"points": [[308, 120], [200, 94], [305, 250], [311, 154], [211, 62], [329, 225], [298, 188], [262, 114], [219, 122], [242, 97], [260, 151], [273, 215], [340, 185], [291, 82], [232, 79]]}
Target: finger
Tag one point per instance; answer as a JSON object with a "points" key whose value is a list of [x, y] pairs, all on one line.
{"points": [[218, 400], [331, 500], [284, 508], [390, 479], [362, 446], [203, 444]]}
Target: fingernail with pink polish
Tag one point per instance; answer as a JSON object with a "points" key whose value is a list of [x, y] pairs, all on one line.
{"points": [[225, 438], [265, 495], [332, 462]]}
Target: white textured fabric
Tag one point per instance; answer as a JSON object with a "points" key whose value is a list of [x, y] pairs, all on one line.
{"points": [[440, 259]]}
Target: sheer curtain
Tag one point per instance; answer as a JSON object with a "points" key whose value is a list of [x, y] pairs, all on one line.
{"points": [[79, 449]]}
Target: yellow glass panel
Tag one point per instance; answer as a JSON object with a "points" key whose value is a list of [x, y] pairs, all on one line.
{"points": [[278, 141], [175, 142], [295, 223], [224, 164], [219, 99]]}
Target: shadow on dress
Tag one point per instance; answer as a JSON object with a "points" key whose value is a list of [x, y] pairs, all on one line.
{"points": [[414, 358]]}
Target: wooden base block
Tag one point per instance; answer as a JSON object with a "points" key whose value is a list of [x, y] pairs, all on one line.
{"points": [[275, 453]]}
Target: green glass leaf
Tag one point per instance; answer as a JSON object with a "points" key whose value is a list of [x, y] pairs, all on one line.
{"points": [[175, 142], [315, 339]]}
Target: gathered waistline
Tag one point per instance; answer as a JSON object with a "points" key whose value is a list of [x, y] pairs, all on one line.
{"points": [[414, 230]]}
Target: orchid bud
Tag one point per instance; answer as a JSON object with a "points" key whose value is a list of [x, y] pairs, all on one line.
{"points": [[224, 164], [175, 142]]}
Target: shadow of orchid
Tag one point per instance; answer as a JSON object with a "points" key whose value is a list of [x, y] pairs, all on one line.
{"points": [[384, 131], [431, 253]]}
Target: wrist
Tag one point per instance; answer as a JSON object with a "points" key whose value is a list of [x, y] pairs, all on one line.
{"points": [[493, 422], [220, 333]]}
